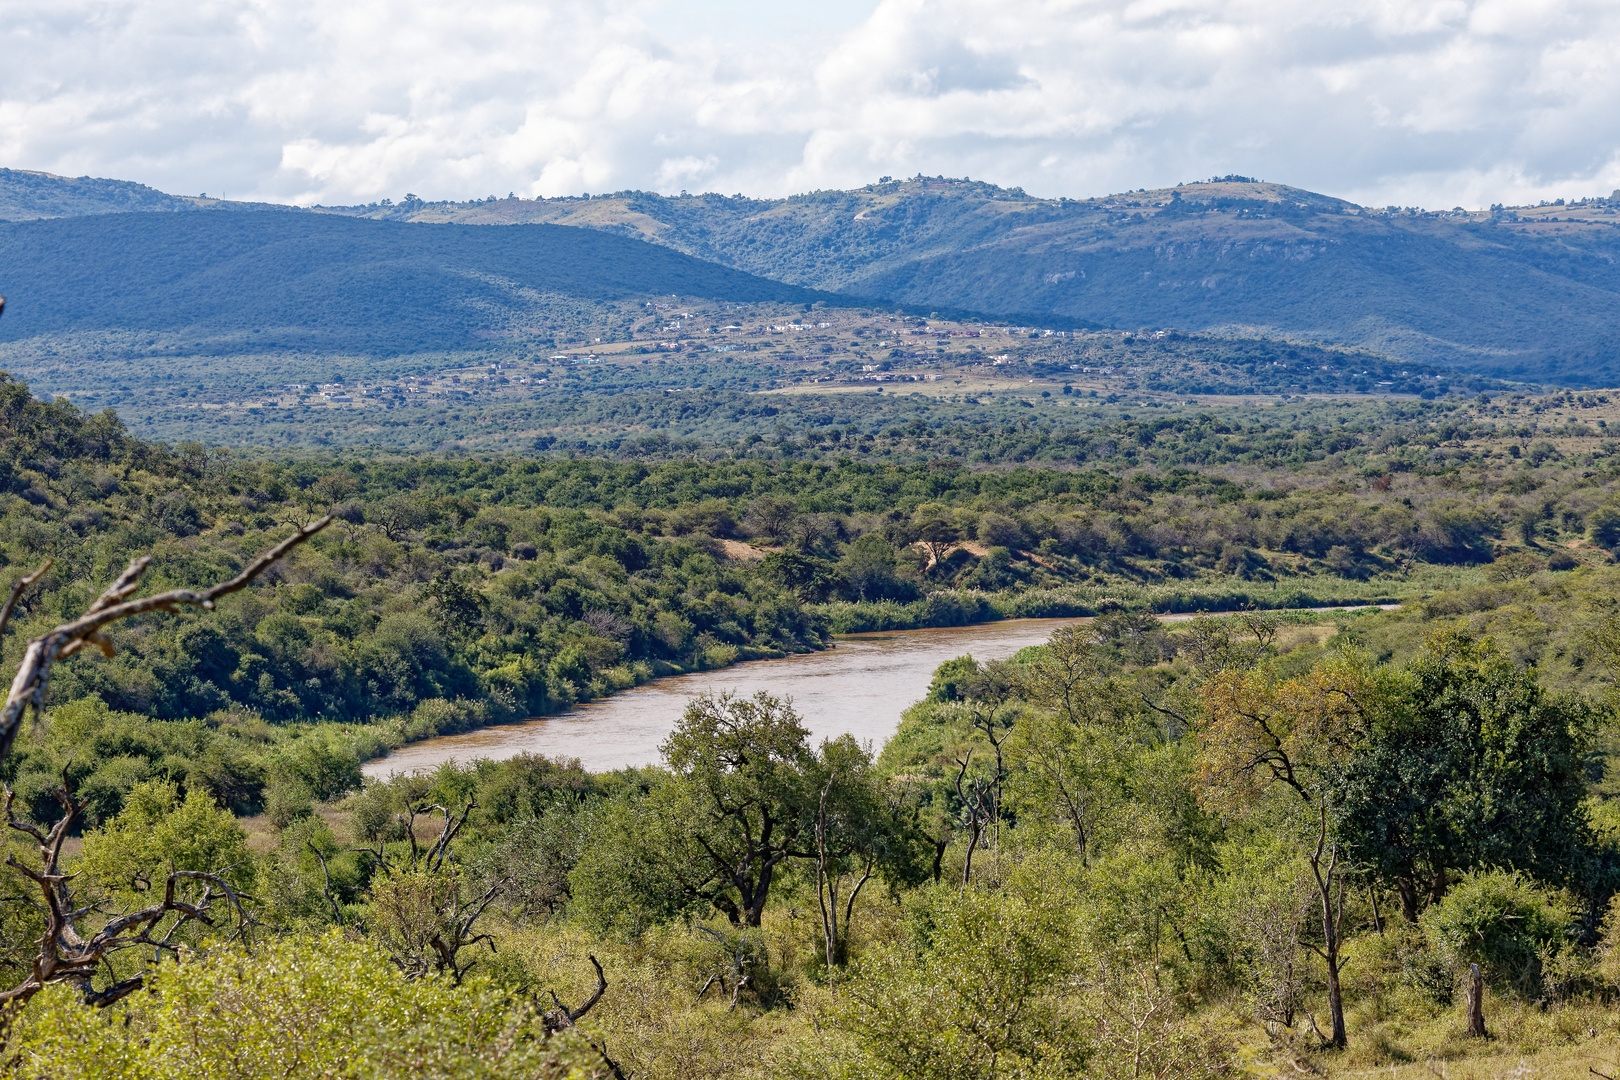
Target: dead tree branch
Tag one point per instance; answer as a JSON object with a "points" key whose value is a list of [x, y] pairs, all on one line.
{"points": [[326, 876], [18, 587], [29, 686], [65, 954], [563, 1017]]}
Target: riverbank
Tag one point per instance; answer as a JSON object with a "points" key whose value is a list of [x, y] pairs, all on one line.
{"points": [[969, 608], [860, 688], [439, 717]]}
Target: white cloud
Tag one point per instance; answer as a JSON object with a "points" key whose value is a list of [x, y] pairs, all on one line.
{"points": [[1427, 102]]}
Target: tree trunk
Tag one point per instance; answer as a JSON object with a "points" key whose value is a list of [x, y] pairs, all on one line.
{"points": [[1332, 920], [755, 912], [1438, 883], [973, 842], [1339, 1038], [1476, 1002], [1406, 888]]}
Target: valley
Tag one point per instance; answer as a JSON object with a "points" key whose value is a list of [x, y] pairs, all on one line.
{"points": [[916, 632]]}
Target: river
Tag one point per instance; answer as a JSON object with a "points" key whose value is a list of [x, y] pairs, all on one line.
{"points": [[861, 687]]}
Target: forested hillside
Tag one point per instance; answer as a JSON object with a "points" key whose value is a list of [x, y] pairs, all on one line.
{"points": [[1523, 293], [1066, 865], [230, 283], [1526, 294]]}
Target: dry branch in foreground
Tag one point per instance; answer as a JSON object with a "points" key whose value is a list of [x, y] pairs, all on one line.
{"points": [[32, 681], [66, 955]]}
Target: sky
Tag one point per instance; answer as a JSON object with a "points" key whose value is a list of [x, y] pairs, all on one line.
{"points": [[1432, 103]]}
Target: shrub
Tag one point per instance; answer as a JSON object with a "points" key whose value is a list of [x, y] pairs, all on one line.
{"points": [[1510, 926], [1511, 567], [1562, 560], [297, 1007], [1603, 525]]}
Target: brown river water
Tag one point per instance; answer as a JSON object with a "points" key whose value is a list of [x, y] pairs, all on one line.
{"points": [[860, 686]]}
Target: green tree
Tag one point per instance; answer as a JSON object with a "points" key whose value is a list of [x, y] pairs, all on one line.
{"points": [[157, 831], [1603, 525], [868, 571], [750, 774], [936, 528], [1467, 763], [808, 576], [979, 995]]}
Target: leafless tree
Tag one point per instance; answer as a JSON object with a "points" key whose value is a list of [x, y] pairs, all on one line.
{"points": [[422, 912], [738, 957], [67, 955], [771, 516], [991, 702]]}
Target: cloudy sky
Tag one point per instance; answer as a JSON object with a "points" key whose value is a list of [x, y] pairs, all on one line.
{"points": [[1412, 102]]}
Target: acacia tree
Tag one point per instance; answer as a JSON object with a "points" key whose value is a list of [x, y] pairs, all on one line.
{"points": [[746, 766], [936, 529], [1071, 754], [1262, 734]]}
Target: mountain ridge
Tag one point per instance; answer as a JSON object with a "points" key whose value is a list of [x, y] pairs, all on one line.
{"points": [[276, 280], [28, 195], [1528, 293]]}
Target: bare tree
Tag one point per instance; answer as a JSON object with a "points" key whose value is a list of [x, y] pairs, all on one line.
{"points": [[991, 700], [772, 516], [423, 913], [67, 955], [977, 809]]}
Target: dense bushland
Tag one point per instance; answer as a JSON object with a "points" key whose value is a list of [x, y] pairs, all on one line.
{"points": [[1089, 861], [458, 592]]}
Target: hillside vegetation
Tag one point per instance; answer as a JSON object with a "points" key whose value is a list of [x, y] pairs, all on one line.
{"points": [[1524, 293], [239, 282], [1060, 866], [458, 592]]}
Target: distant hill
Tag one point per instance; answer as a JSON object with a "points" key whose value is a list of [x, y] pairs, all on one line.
{"points": [[29, 196], [311, 281], [1531, 294]]}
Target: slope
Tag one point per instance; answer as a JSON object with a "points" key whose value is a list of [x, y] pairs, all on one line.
{"points": [[278, 280], [29, 196], [1531, 294]]}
